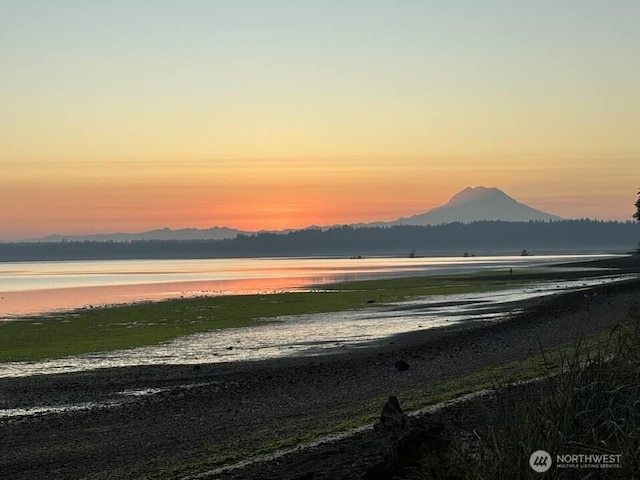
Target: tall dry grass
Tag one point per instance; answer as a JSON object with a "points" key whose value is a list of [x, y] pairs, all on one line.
{"points": [[591, 407]]}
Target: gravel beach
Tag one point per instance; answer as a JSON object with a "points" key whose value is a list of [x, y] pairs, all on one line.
{"points": [[170, 421]]}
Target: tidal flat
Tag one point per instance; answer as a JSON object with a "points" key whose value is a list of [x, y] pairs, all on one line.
{"points": [[195, 421], [128, 326], [109, 328]]}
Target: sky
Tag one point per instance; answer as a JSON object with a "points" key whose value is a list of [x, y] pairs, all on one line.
{"points": [[130, 115]]}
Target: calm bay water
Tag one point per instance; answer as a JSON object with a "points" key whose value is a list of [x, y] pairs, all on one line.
{"points": [[39, 287]]}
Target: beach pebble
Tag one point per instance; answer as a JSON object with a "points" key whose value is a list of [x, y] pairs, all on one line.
{"points": [[401, 365]]}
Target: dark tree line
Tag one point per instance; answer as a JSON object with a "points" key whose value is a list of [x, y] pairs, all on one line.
{"points": [[453, 238]]}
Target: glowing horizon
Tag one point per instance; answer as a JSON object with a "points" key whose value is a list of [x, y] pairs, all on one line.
{"points": [[274, 195], [273, 115]]}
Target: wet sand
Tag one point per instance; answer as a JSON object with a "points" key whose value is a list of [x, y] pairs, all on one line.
{"points": [[193, 412]]}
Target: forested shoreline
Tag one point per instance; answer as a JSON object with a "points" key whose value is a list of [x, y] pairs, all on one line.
{"points": [[478, 238]]}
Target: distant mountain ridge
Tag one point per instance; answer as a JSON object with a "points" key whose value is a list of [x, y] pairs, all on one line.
{"points": [[469, 205], [475, 204], [214, 233]]}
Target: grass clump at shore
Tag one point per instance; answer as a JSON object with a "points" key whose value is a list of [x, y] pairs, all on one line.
{"points": [[128, 326], [588, 403], [592, 408]]}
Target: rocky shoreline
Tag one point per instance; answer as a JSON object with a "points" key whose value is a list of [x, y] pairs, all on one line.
{"points": [[148, 422]]}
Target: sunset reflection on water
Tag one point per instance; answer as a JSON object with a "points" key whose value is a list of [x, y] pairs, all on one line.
{"points": [[62, 299], [40, 287]]}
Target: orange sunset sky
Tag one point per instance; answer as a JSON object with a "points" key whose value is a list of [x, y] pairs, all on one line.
{"points": [[132, 115]]}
